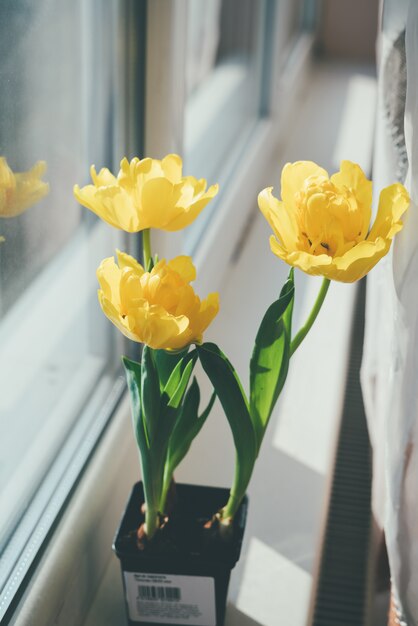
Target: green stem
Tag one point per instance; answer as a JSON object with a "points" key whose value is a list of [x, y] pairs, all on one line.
{"points": [[166, 488], [238, 489], [231, 506], [152, 480], [300, 336], [151, 522], [146, 247]]}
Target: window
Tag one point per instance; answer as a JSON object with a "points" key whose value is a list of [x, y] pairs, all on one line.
{"points": [[224, 63], [221, 78], [63, 106], [229, 87], [74, 76]]}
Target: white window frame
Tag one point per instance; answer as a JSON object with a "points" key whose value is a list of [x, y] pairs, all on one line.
{"points": [[69, 572]]}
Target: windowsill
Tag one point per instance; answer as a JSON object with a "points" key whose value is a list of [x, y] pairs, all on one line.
{"points": [[276, 573]]}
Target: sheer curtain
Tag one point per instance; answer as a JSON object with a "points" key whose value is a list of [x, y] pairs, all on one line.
{"points": [[390, 365]]}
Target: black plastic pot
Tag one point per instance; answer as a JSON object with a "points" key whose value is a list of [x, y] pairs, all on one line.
{"points": [[182, 576]]}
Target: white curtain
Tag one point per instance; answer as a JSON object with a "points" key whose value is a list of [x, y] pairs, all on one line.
{"points": [[390, 364]]}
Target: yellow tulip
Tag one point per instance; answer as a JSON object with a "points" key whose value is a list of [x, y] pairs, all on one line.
{"points": [[322, 223], [20, 190], [158, 308], [146, 193]]}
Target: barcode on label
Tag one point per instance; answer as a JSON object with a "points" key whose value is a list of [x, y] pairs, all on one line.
{"points": [[152, 592]]}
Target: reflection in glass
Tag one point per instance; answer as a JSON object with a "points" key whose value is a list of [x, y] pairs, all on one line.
{"points": [[20, 190], [57, 71]]}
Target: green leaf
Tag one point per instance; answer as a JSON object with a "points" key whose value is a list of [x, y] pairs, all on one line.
{"points": [[229, 390], [166, 362], [176, 385], [155, 416], [178, 395], [150, 393], [171, 400], [133, 379], [187, 427], [149, 476], [270, 359], [154, 420]]}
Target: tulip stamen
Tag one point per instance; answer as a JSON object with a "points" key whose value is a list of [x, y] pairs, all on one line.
{"points": [[325, 245]]}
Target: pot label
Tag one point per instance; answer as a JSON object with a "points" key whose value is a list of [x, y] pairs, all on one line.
{"points": [[169, 599]]}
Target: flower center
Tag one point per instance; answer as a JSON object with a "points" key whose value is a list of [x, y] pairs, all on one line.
{"points": [[329, 218]]}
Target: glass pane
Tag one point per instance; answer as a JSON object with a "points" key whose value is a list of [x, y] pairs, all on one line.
{"points": [[57, 71], [225, 46], [292, 18]]}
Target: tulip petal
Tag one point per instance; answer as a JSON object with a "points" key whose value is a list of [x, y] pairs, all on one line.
{"points": [[316, 265], [111, 204], [119, 208], [350, 267], [103, 179], [293, 177], [309, 263], [278, 249], [199, 186], [113, 315], [352, 177], [189, 213], [143, 166], [183, 265], [358, 261], [108, 274], [126, 260], [158, 329], [282, 222], [209, 309], [130, 291], [393, 202], [154, 170], [158, 201], [171, 166], [193, 190]]}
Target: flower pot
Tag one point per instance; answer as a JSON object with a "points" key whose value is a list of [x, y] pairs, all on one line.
{"points": [[181, 577]]}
